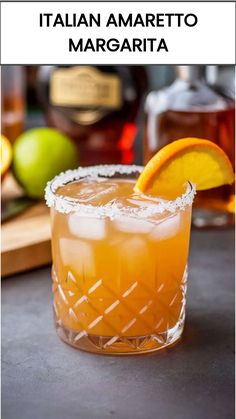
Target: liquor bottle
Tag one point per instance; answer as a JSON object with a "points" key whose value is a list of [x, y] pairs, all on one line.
{"points": [[96, 106], [13, 100], [222, 79], [191, 108]]}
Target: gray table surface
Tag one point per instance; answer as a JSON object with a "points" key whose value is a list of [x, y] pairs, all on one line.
{"points": [[43, 378]]}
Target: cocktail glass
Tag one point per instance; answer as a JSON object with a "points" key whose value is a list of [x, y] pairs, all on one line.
{"points": [[119, 261]]}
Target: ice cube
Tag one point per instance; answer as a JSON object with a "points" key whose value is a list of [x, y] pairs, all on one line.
{"points": [[134, 255], [89, 228], [78, 256], [144, 202], [89, 190], [167, 228], [133, 225], [97, 193]]}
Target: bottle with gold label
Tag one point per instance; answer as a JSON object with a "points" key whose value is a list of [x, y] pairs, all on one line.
{"points": [[96, 106]]}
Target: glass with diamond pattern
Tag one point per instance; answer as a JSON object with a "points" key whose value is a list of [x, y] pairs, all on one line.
{"points": [[119, 261]]}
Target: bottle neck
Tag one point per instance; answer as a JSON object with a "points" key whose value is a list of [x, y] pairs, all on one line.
{"points": [[190, 73]]}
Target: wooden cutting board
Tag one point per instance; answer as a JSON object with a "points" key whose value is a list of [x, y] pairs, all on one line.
{"points": [[25, 240]]}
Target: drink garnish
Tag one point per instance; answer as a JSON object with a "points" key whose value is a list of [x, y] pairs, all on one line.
{"points": [[199, 161]]}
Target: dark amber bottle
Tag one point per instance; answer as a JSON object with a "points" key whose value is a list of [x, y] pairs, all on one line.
{"points": [[96, 106], [190, 108]]}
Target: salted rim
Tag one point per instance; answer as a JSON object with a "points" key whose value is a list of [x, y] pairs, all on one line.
{"points": [[66, 205]]}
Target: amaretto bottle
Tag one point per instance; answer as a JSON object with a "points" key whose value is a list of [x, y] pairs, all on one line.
{"points": [[191, 108], [96, 106]]}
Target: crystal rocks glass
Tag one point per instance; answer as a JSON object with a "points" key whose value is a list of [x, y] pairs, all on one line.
{"points": [[119, 269]]}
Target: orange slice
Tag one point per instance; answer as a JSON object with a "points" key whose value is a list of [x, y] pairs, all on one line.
{"points": [[6, 154], [199, 161]]}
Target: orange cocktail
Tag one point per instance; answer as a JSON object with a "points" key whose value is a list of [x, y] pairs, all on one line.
{"points": [[119, 261]]}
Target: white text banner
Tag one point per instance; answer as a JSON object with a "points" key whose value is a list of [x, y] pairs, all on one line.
{"points": [[118, 32]]}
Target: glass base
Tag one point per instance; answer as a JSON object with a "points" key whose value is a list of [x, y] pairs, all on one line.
{"points": [[117, 345], [204, 218]]}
